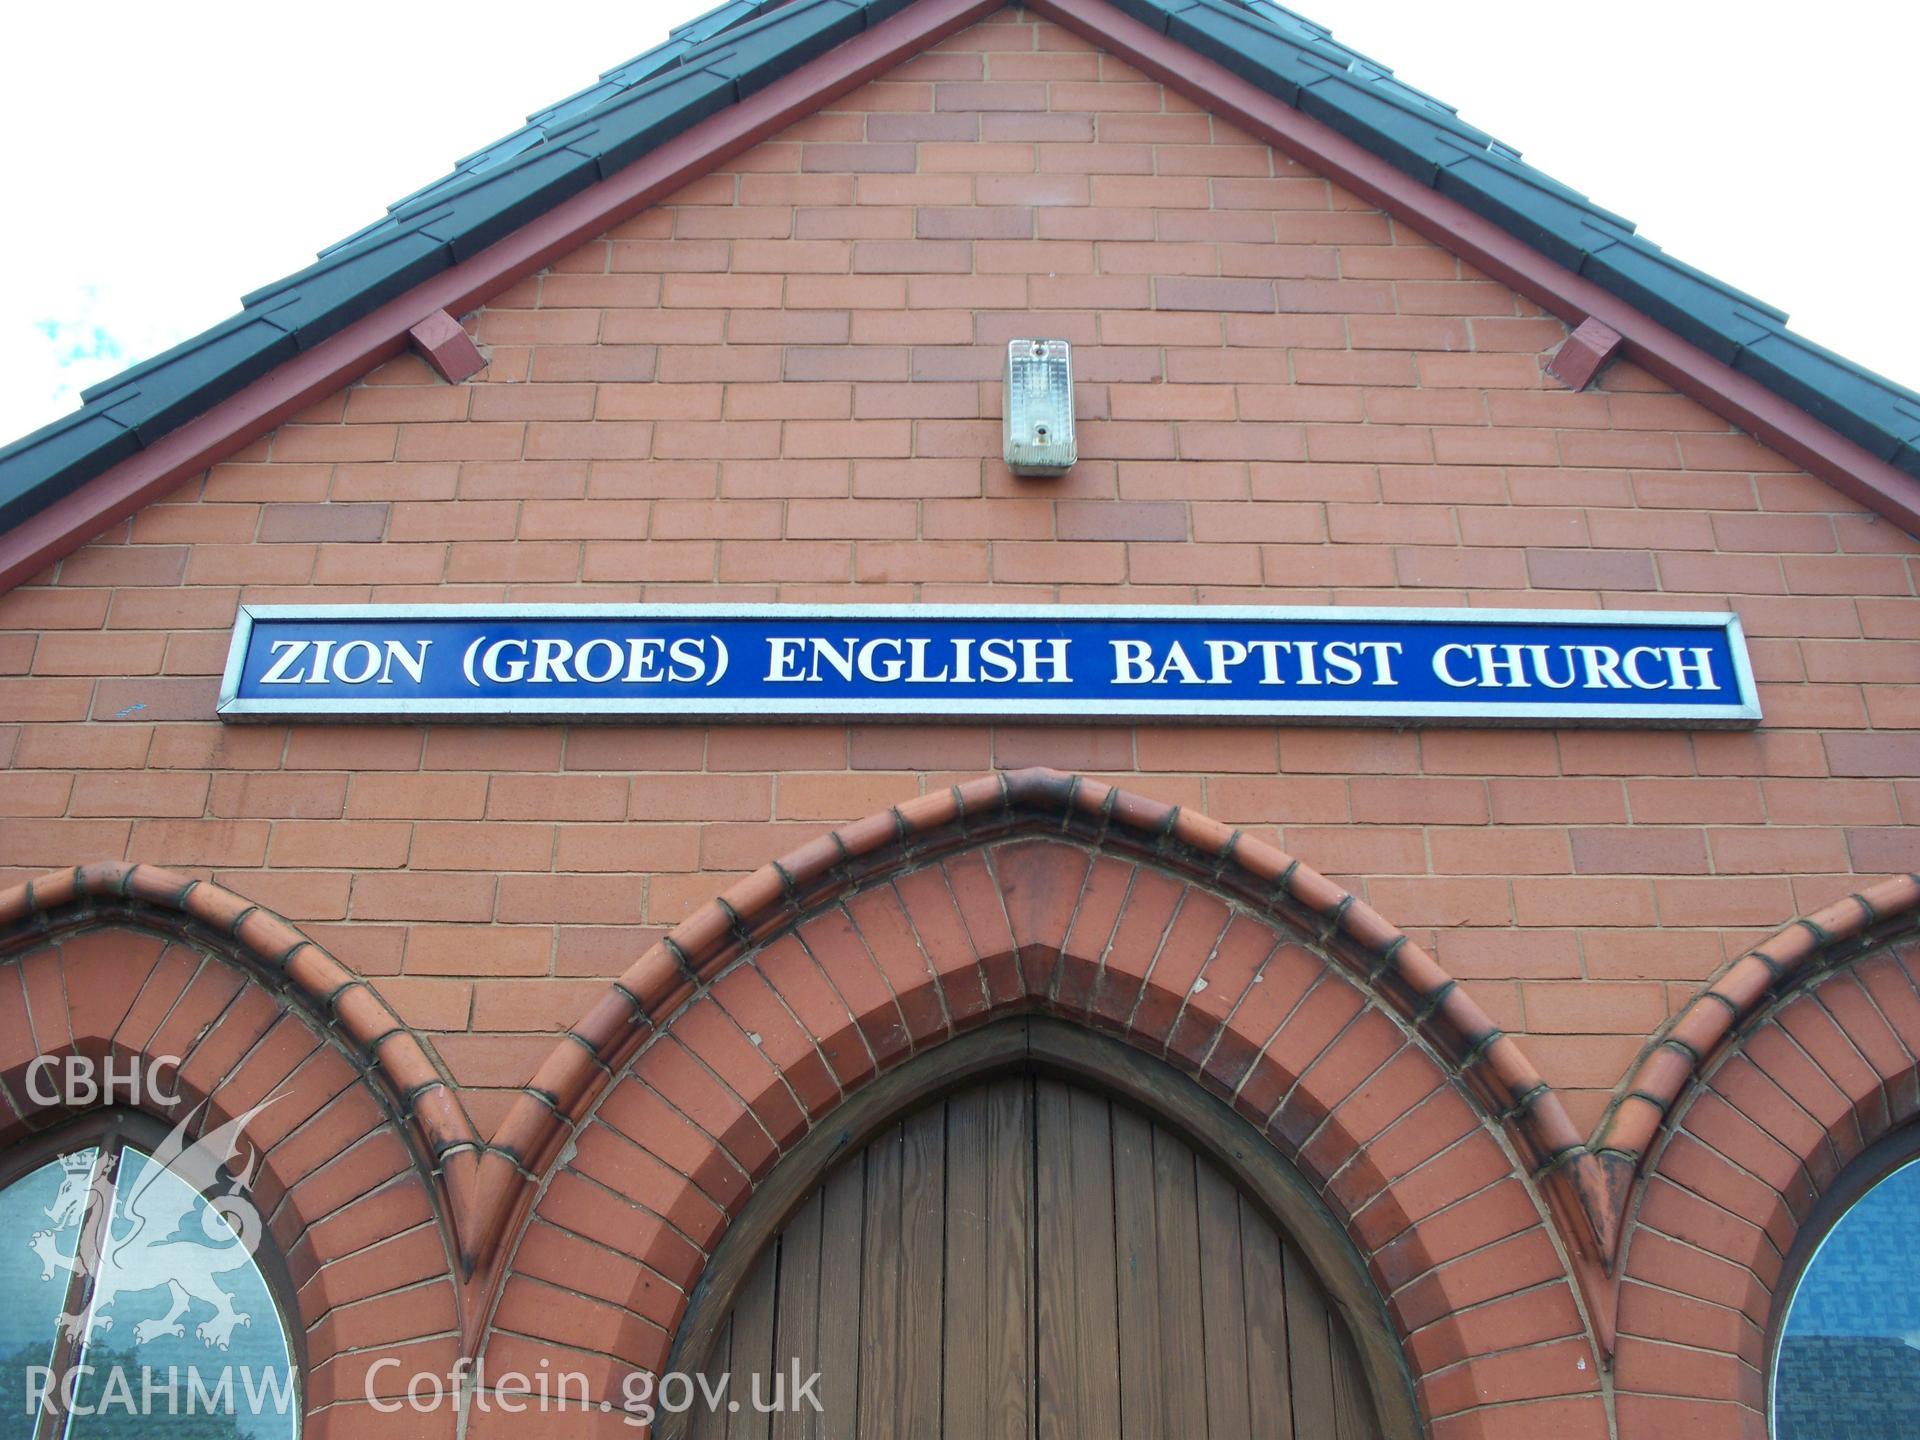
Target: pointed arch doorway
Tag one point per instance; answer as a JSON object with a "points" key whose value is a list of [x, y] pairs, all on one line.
{"points": [[1035, 1231]]}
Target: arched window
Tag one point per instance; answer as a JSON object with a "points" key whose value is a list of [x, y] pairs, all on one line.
{"points": [[135, 1297], [1847, 1352]]}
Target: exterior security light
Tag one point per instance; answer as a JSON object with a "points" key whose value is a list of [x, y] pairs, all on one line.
{"points": [[1037, 422]]}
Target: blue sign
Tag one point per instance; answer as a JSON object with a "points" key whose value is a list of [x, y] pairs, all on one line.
{"points": [[904, 662]]}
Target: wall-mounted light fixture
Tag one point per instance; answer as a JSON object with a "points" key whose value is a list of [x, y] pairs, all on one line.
{"points": [[1037, 419]]}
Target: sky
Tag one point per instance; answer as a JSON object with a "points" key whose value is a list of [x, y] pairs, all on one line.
{"points": [[165, 159]]}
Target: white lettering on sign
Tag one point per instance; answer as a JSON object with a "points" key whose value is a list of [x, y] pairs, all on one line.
{"points": [[1282, 662], [317, 661], [641, 660], [1505, 666], [887, 660]]}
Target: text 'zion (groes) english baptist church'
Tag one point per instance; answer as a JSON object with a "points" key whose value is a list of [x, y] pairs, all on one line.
{"points": [[943, 720]]}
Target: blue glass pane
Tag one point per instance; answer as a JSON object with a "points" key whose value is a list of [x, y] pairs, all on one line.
{"points": [[185, 1342], [1849, 1364], [39, 1221]]}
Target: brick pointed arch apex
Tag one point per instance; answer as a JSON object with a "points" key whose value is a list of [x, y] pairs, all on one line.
{"points": [[1748, 1127], [1039, 803], [1791, 956], [150, 897]]}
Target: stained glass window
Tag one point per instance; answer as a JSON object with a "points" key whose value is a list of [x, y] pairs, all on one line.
{"points": [[134, 1302], [1848, 1366]]}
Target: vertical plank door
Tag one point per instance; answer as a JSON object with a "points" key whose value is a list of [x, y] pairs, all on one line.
{"points": [[1030, 1260]]}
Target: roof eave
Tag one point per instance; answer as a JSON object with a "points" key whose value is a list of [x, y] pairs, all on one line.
{"points": [[1743, 401], [69, 522]]}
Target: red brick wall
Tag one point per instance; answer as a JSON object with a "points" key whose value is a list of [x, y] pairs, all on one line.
{"points": [[781, 385]]}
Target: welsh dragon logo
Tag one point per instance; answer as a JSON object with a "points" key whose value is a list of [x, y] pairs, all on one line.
{"points": [[152, 1230]]}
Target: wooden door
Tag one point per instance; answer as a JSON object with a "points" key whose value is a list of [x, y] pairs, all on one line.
{"points": [[1030, 1260]]}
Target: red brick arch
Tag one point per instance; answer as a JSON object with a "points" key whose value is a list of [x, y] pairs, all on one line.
{"points": [[1418, 1123], [132, 963], [1797, 1058]]}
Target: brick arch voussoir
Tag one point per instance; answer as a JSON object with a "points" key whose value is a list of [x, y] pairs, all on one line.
{"points": [[129, 965], [1273, 988], [1734, 1006], [1813, 1063]]}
